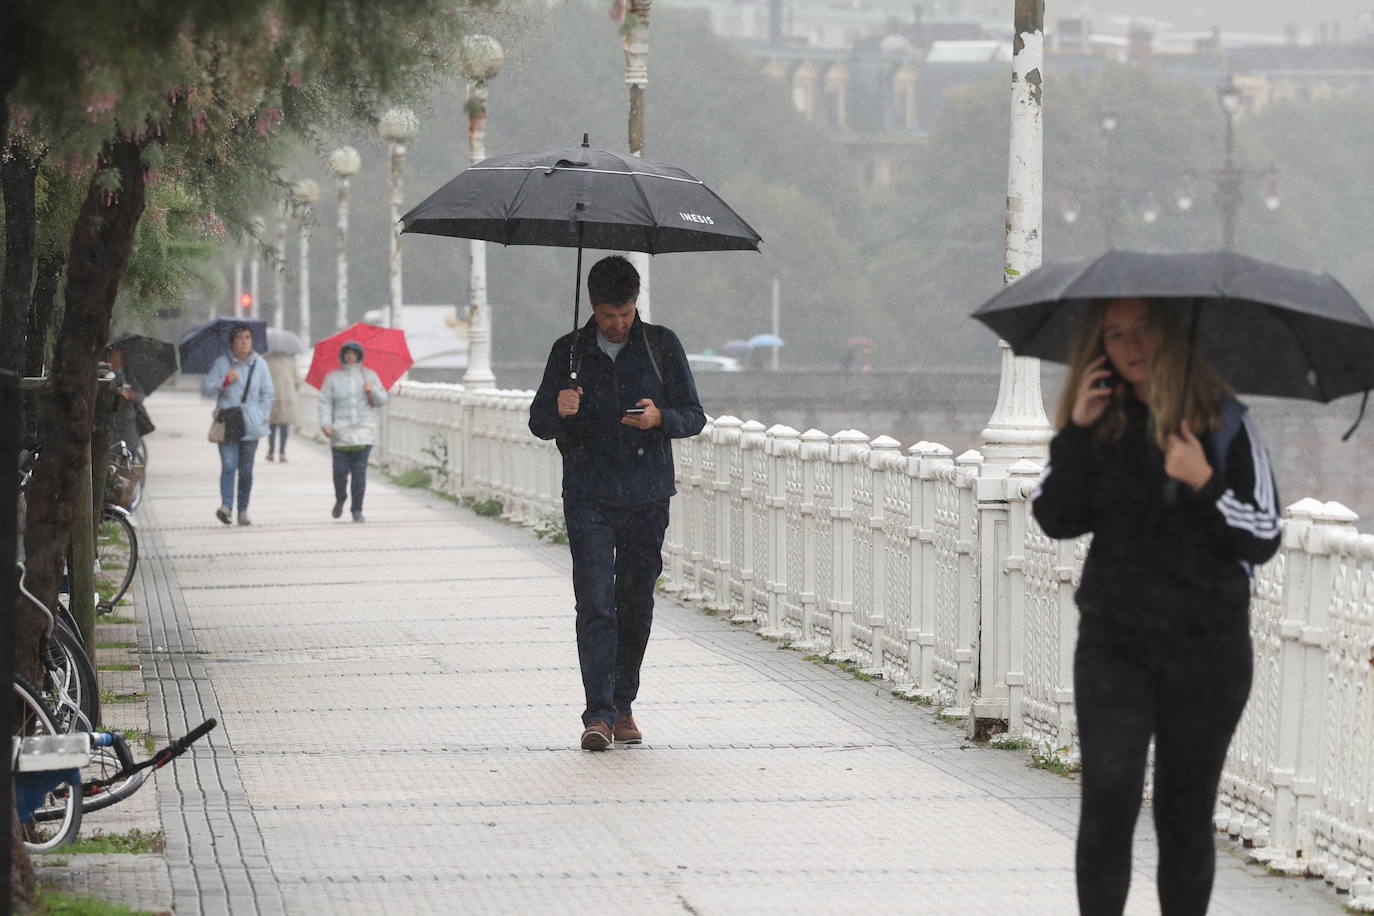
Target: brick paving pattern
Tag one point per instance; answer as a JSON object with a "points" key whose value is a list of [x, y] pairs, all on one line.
{"points": [[399, 707]]}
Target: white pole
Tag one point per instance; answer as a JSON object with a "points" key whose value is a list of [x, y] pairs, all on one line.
{"points": [[636, 48], [1018, 427], [777, 328], [343, 162], [478, 374], [253, 266], [237, 304], [306, 193], [397, 127], [279, 274]]}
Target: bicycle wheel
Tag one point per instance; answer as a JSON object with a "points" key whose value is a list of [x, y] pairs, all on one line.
{"points": [[71, 677], [116, 554], [104, 764], [58, 817]]}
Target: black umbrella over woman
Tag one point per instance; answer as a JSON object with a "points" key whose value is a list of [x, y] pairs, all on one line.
{"points": [[581, 197]]}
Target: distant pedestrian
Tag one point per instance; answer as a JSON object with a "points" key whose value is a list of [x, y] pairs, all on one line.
{"points": [[349, 399], [242, 388], [1163, 635], [131, 394], [285, 379], [634, 393]]}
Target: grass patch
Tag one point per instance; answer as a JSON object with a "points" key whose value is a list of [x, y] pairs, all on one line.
{"points": [[855, 670], [58, 903], [1056, 760], [919, 699], [487, 508], [113, 644], [109, 696], [139, 736], [818, 659], [119, 620], [414, 478], [949, 719], [1005, 742], [54, 862], [134, 842], [117, 666], [554, 529]]}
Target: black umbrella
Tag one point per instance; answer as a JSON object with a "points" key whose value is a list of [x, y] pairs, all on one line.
{"points": [[151, 361], [201, 346], [1268, 330], [581, 197]]}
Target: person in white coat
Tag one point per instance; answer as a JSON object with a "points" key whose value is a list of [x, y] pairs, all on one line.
{"points": [[240, 383], [349, 399]]}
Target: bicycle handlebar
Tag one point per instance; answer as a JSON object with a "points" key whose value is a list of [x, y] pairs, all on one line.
{"points": [[200, 731]]}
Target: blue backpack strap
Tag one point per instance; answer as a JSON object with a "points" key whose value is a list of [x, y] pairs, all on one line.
{"points": [[1232, 419]]}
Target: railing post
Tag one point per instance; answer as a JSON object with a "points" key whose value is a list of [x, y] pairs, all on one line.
{"points": [[846, 447], [702, 517], [991, 630], [927, 458], [968, 467]]}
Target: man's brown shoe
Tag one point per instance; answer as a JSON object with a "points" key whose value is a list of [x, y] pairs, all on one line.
{"points": [[626, 732], [596, 736]]}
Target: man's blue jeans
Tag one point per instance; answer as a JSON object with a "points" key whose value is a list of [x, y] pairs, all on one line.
{"points": [[351, 464], [616, 555], [236, 458]]}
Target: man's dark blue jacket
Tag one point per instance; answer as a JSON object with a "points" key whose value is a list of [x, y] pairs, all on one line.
{"points": [[604, 460]]}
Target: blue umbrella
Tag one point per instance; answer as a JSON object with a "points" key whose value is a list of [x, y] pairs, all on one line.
{"points": [[765, 340], [201, 347]]}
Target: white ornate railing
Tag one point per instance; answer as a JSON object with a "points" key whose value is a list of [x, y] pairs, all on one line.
{"points": [[930, 571]]}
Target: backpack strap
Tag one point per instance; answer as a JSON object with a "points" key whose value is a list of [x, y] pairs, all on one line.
{"points": [[653, 342]]}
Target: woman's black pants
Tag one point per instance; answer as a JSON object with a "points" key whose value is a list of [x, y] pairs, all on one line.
{"points": [[1189, 696]]}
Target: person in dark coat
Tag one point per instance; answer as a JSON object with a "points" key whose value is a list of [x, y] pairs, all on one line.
{"points": [[1163, 637], [634, 393]]}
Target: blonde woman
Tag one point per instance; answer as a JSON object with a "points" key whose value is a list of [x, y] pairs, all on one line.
{"points": [[1163, 642]]}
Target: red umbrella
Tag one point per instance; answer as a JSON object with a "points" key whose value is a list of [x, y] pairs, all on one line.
{"points": [[384, 352]]}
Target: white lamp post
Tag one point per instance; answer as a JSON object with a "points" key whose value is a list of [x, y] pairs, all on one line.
{"points": [[636, 48], [344, 162], [304, 195], [397, 127], [1018, 427], [279, 273], [480, 58], [258, 227]]}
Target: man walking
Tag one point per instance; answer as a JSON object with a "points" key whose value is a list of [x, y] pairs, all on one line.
{"points": [[633, 393]]}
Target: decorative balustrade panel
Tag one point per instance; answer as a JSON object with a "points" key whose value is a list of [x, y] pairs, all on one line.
{"points": [[1342, 826], [822, 535], [950, 572], [1245, 801], [761, 548], [899, 546], [739, 502], [861, 632], [798, 530], [1045, 713], [709, 519]]}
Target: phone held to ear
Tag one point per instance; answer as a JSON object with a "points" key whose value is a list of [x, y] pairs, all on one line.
{"points": [[633, 411], [1109, 381]]}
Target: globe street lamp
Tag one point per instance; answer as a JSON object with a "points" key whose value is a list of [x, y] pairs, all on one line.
{"points": [[344, 162], [479, 58], [304, 195], [397, 127], [1228, 179]]}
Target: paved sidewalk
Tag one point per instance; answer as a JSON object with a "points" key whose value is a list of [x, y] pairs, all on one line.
{"points": [[399, 703]]}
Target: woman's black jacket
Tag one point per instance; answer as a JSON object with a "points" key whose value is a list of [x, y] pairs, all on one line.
{"points": [[604, 460], [1177, 569]]}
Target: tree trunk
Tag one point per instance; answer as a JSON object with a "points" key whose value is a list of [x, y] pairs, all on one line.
{"points": [[101, 241], [18, 172], [44, 314]]}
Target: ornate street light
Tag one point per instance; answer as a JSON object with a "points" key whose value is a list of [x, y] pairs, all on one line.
{"points": [[1229, 193], [398, 126], [279, 271], [344, 162], [480, 58], [635, 44], [304, 195]]}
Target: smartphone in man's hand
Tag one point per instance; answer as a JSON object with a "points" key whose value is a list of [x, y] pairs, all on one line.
{"points": [[633, 411]]}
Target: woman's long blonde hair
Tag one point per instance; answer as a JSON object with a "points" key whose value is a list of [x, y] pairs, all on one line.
{"points": [[1171, 320]]}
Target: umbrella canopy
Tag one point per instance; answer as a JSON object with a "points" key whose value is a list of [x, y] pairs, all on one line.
{"points": [[200, 347], [1267, 329], [283, 341], [765, 340], [151, 361], [579, 197], [384, 352], [735, 345]]}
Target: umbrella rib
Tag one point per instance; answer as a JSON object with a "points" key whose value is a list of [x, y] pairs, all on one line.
{"points": [[653, 223]]}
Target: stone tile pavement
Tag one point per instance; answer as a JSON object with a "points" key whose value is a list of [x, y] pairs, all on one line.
{"points": [[399, 707]]}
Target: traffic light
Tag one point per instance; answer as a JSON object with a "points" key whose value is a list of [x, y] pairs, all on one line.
{"points": [[246, 301]]}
